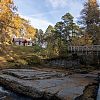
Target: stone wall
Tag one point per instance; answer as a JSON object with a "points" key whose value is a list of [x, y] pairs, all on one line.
{"points": [[74, 60], [67, 62]]}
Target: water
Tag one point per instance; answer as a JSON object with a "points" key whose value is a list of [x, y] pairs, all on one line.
{"points": [[8, 95], [98, 96]]}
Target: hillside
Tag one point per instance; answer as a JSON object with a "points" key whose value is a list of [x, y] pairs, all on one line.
{"points": [[18, 56]]}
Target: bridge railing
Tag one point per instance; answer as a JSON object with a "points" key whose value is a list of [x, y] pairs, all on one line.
{"points": [[84, 48]]}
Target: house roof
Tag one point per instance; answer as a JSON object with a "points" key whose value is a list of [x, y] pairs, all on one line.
{"points": [[21, 39]]}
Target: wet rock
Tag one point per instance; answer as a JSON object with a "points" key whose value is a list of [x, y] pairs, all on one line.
{"points": [[81, 71], [33, 74], [3, 95], [45, 84], [90, 92]]}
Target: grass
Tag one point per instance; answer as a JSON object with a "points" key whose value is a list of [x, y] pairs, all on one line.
{"points": [[18, 56]]}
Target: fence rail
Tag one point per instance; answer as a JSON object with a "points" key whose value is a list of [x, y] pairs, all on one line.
{"points": [[84, 48]]}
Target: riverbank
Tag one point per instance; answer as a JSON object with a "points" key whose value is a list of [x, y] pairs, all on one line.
{"points": [[90, 92], [46, 84]]}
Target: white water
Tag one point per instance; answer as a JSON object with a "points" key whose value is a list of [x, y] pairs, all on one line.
{"points": [[2, 90], [8, 95]]}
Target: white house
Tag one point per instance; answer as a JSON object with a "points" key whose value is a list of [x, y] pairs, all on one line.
{"points": [[22, 41]]}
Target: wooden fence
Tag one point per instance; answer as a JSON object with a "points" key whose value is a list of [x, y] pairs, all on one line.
{"points": [[95, 48]]}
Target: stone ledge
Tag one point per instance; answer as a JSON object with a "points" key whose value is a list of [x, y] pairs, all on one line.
{"points": [[55, 88]]}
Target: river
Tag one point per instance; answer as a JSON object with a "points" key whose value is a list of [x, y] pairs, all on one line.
{"points": [[98, 96], [9, 95]]}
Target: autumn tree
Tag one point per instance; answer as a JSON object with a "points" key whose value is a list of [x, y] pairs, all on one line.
{"points": [[6, 13], [31, 31], [90, 18]]}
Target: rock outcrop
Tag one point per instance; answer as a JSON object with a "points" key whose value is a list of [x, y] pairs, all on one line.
{"points": [[45, 84]]}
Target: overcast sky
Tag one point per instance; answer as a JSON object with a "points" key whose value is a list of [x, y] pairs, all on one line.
{"points": [[42, 13]]}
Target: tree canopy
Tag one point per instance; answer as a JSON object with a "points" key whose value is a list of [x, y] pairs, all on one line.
{"points": [[90, 18], [55, 40], [12, 24]]}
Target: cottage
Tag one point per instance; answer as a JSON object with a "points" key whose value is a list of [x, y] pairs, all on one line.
{"points": [[22, 41]]}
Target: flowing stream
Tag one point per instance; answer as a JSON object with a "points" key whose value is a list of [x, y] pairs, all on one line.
{"points": [[98, 96], [8, 95]]}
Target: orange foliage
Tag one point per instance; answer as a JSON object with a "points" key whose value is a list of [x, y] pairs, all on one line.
{"points": [[11, 23]]}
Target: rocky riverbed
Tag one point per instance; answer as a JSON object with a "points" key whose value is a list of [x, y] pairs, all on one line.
{"points": [[46, 84]]}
